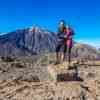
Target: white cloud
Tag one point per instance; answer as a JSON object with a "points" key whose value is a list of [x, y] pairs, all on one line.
{"points": [[92, 42]]}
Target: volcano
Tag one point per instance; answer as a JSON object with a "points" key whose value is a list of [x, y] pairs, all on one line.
{"points": [[36, 40]]}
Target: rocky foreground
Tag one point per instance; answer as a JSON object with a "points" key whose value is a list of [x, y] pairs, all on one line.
{"points": [[39, 79], [23, 90]]}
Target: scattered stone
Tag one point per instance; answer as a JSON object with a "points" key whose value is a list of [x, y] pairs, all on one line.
{"points": [[28, 80], [7, 59]]}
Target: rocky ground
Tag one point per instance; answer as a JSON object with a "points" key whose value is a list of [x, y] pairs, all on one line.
{"points": [[36, 78], [23, 90]]}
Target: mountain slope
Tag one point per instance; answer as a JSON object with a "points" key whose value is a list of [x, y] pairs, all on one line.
{"points": [[85, 51], [27, 42], [36, 40]]}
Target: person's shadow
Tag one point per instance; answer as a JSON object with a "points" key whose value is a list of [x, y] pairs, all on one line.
{"points": [[73, 76]]}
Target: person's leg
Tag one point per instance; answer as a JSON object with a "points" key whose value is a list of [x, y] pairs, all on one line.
{"points": [[58, 54], [64, 52], [69, 55], [61, 56]]}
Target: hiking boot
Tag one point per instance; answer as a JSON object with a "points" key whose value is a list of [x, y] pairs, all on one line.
{"points": [[70, 67], [57, 63]]}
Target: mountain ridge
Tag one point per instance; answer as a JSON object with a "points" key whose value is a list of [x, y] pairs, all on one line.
{"points": [[36, 40]]}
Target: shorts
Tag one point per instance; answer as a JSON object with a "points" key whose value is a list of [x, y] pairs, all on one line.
{"points": [[69, 43], [61, 47]]}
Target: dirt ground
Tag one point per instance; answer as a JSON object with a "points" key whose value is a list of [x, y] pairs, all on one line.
{"points": [[27, 80]]}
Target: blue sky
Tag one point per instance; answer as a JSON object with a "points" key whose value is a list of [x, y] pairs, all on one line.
{"points": [[82, 15]]}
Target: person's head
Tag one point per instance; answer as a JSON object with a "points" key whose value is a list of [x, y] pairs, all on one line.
{"points": [[68, 26], [62, 25]]}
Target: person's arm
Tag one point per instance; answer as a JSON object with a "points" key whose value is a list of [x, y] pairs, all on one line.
{"points": [[72, 34], [61, 35]]}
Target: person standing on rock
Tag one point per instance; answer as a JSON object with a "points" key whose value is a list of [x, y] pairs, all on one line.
{"points": [[61, 46], [64, 42], [69, 42]]}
